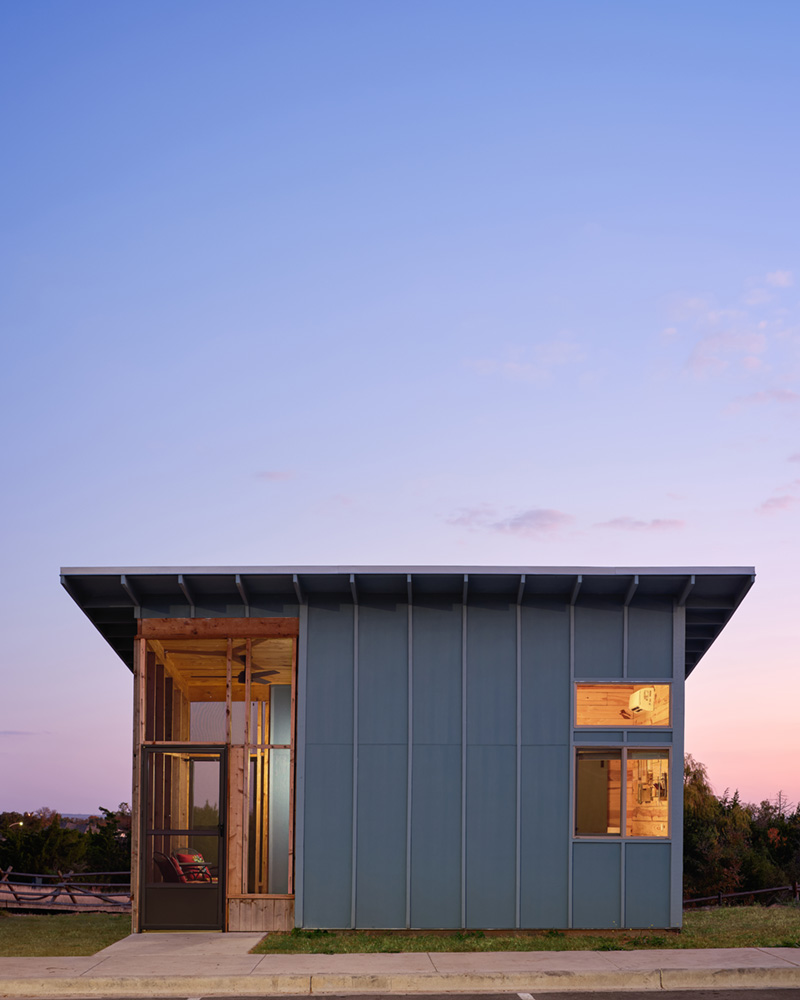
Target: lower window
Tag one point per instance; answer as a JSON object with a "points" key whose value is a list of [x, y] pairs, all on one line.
{"points": [[602, 799]]}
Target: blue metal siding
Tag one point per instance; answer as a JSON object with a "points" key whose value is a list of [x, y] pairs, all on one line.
{"points": [[327, 847], [596, 885], [437, 672], [650, 642], [436, 836], [381, 855], [382, 673], [598, 641], [647, 884], [384, 891], [545, 675], [658, 736], [492, 675], [544, 832], [491, 836], [329, 694]]}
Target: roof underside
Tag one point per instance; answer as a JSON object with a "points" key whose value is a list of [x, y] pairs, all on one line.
{"points": [[114, 598]]}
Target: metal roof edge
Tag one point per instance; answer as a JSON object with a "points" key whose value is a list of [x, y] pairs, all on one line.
{"points": [[326, 570]]}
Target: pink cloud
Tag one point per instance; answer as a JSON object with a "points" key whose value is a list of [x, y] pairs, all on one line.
{"points": [[767, 396], [777, 503], [536, 521], [473, 517], [795, 457], [780, 279], [715, 352], [276, 475], [533, 364], [633, 524]]}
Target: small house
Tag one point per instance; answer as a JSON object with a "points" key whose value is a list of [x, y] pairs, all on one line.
{"points": [[407, 747]]}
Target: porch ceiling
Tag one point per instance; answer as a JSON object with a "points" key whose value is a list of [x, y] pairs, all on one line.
{"points": [[114, 598]]}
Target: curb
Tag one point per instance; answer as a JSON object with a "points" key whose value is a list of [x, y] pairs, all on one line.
{"points": [[329, 983]]}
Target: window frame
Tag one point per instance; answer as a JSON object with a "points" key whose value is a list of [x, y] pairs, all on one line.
{"points": [[664, 752], [624, 724]]}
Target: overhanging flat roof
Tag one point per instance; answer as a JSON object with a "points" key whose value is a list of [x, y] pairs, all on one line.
{"points": [[113, 598]]}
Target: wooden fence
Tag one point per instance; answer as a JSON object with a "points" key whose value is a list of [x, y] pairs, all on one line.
{"points": [[719, 898], [64, 892]]}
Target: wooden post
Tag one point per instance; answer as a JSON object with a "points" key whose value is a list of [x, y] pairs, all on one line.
{"points": [[246, 799], [66, 887], [258, 833], [140, 653], [228, 691]]}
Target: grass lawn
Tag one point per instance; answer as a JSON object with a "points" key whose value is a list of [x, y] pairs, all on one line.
{"points": [[724, 927], [50, 935]]}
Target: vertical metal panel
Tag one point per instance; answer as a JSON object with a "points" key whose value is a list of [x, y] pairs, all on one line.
{"points": [[437, 672], [280, 722], [327, 854], [354, 827], [625, 633], [598, 641], [596, 900], [300, 766], [382, 673], [436, 836], [518, 767], [491, 836], [545, 675], [438, 713], [544, 871], [410, 744], [571, 828], [329, 672], [647, 884], [381, 858], [650, 642], [463, 854], [676, 766], [492, 675]]}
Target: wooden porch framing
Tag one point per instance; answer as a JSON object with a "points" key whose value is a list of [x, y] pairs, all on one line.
{"points": [[161, 717]]}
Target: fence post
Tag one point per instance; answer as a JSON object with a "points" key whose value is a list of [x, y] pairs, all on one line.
{"points": [[795, 891], [66, 888], [719, 899]]}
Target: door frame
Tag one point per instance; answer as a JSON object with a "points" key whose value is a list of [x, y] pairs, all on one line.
{"points": [[221, 752]]}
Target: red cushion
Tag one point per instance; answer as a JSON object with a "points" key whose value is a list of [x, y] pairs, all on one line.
{"points": [[193, 867]]}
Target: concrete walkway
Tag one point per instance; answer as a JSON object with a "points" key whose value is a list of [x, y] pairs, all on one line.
{"points": [[204, 964]]}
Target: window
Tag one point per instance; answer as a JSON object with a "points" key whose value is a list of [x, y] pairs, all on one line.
{"points": [[615, 705], [601, 799]]}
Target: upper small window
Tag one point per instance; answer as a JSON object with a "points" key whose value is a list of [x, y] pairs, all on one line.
{"points": [[622, 705]]}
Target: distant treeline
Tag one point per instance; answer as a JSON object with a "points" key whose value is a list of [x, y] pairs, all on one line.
{"points": [[729, 845], [733, 846], [44, 843]]}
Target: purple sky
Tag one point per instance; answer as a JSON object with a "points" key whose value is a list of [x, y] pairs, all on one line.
{"points": [[414, 283]]}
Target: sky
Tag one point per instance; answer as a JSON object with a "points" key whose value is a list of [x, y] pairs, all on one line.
{"points": [[299, 283]]}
